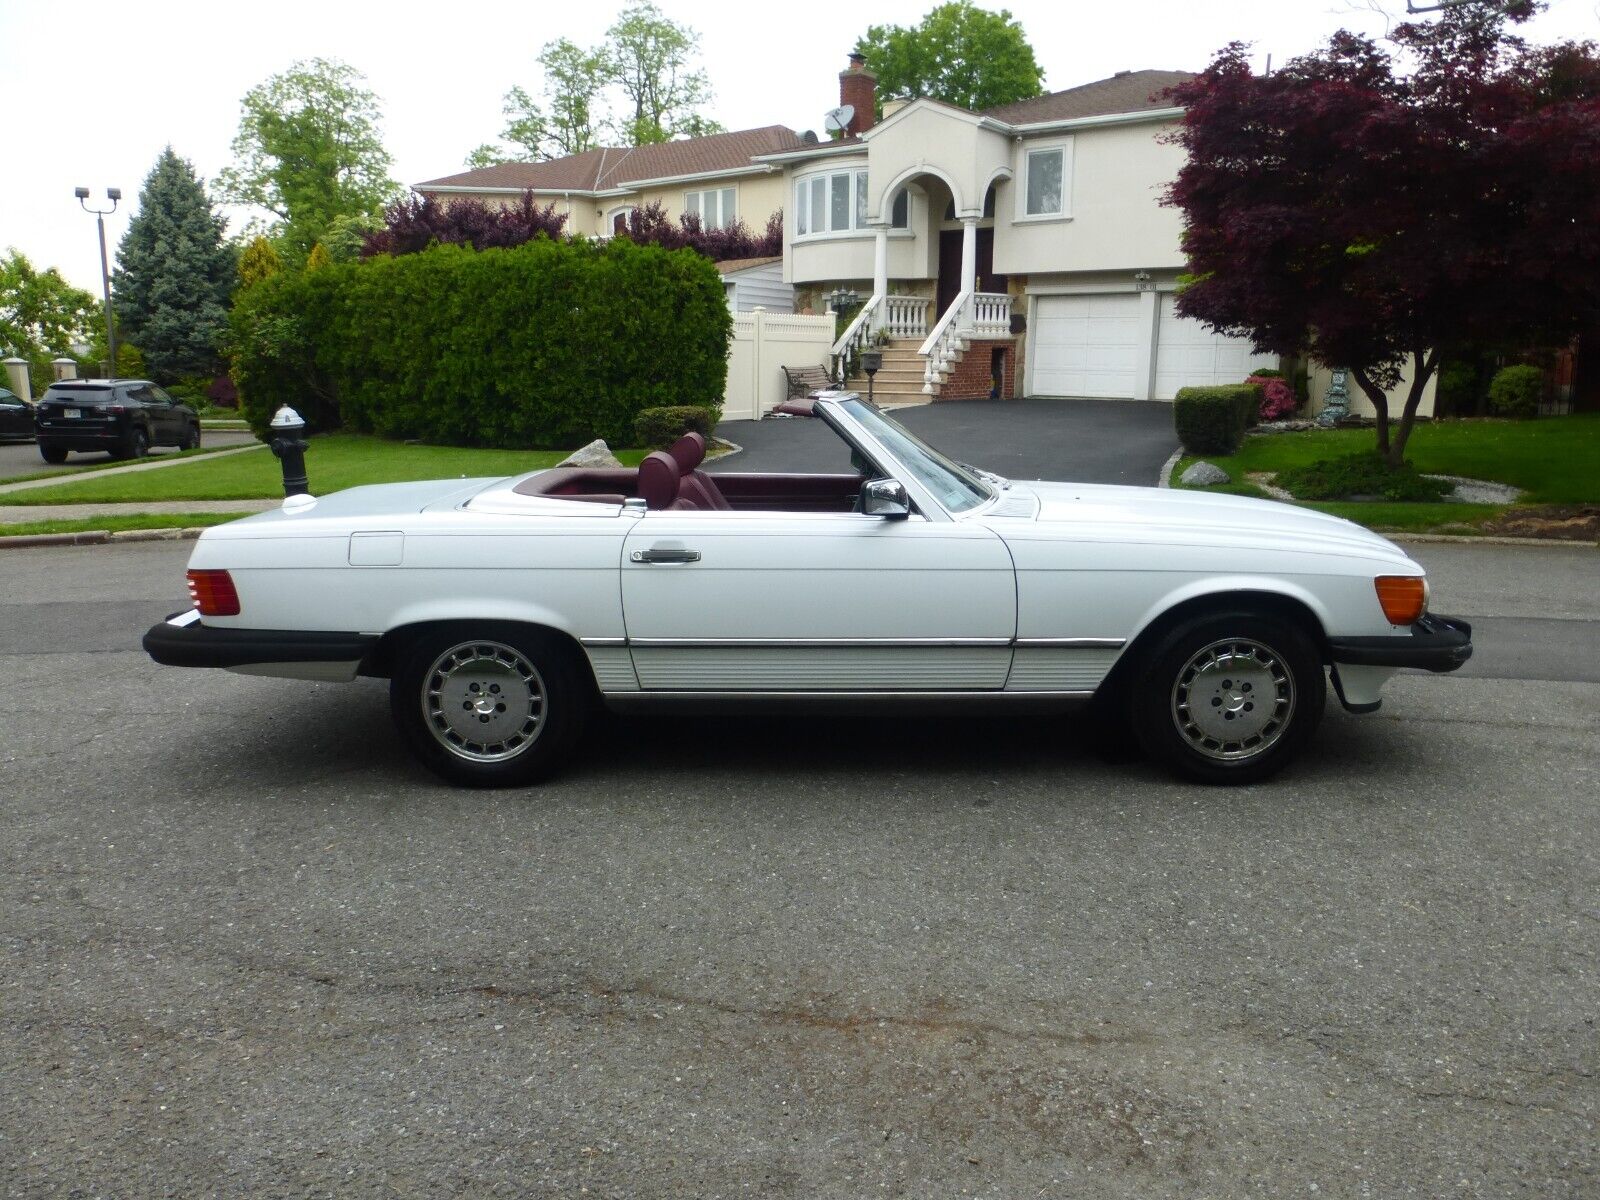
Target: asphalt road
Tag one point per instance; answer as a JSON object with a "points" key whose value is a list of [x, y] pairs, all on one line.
{"points": [[22, 458], [1089, 441], [251, 950]]}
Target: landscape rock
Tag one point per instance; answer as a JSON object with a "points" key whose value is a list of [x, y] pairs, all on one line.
{"points": [[1204, 474], [595, 454]]}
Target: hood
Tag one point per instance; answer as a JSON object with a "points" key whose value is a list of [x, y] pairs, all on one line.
{"points": [[1203, 518]]}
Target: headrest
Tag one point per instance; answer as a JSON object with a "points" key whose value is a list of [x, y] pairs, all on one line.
{"points": [[658, 479], [689, 451]]}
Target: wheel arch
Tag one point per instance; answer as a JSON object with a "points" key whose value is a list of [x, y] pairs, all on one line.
{"points": [[381, 660], [1283, 601]]}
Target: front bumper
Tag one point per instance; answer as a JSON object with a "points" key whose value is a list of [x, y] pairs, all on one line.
{"points": [[1434, 644], [182, 641]]}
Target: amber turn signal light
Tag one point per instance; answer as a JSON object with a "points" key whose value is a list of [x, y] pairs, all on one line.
{"points": [[1404, 598], [213, 593]]}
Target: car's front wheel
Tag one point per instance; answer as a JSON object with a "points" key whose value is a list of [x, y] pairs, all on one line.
{"points": [[191, 438], [1229, 698], [490, 706]]}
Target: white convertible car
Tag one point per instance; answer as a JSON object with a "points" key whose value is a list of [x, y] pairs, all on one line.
{"points": [[503, 610]]}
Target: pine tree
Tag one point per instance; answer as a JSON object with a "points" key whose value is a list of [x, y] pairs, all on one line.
{"points": [[318, 258], [174, 274]]}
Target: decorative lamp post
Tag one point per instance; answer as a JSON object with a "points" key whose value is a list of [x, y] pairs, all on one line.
{"points": [[289, 444], [100, 215], [871, 361], [1336, 404]]}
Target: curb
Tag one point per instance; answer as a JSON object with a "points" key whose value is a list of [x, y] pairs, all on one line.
{"points": [[1164, 480], [98, 537], [1467, 539]]}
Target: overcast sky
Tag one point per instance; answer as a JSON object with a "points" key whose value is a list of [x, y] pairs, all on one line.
{"points": [[95, 88]]}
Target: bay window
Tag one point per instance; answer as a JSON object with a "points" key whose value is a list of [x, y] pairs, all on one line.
{"points": [[837, 202]]}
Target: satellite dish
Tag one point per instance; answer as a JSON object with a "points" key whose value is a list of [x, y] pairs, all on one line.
{"points": [[838, 120]]}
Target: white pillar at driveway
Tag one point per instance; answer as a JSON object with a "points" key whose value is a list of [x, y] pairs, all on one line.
{"points": [[969, 264], [880, 274], [1144, 353]]}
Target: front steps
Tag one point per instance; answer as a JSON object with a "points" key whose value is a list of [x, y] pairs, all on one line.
{"points": [[899, 380]]}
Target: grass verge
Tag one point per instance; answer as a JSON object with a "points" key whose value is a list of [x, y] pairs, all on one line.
{"points": [[74, 471], [334, 462], [117, 524]]}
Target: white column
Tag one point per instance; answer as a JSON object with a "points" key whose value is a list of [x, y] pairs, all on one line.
{"points": [[17, 376], [1144, 354], [969, 254], [880, 274]]}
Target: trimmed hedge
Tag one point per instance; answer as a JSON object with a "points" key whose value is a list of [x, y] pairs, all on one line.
{"points": [[1212, 420], [1515, 391], [545, 345], [658, 428]]}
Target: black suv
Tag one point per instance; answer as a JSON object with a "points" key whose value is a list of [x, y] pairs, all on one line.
{"points": [[122, 416]]}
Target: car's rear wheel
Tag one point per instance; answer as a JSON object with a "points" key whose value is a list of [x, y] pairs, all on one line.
{"points": [[135, 445], [490, 706], [1229, 698], [54, 455]]}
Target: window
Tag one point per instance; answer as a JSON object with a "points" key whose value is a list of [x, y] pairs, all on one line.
{"points": [[837, 202], [617, 220], [900, 214], [714, 206], [1046, 184]]}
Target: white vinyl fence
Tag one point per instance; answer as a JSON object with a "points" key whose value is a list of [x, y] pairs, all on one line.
{"points": [[764, 343]]}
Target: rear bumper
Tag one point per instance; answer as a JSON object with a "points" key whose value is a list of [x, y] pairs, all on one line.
{"points": [[191, 644], [73, 439], [1434, 644]]}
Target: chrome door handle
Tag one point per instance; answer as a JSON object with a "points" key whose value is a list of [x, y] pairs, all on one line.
{"points": [[665, 555]]}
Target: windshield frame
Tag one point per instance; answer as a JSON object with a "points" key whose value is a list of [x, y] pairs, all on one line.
{"points": [[858, 423]]}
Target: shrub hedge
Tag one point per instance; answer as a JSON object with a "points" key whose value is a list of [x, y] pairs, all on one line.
{"points": [[1212, 420], [1360, 476], [544, 345], [658, 428], [1515, 391]]}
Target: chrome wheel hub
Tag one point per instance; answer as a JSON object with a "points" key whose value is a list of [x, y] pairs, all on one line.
{"points": [[484, 701], [1233, 699]]}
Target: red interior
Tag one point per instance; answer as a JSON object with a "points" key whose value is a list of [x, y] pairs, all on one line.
{"points": [[751, 492]]}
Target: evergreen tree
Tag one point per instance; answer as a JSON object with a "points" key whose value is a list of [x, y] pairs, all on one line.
{"points": [[174, 274], [259, 261]]}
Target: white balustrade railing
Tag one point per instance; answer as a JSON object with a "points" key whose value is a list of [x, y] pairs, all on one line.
{"points": [[944, 343], [906, 316], [991, 313], [854, 339]]}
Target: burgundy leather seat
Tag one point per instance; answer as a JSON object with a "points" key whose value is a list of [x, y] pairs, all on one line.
{"points": [[689, 452], [658, 480]]}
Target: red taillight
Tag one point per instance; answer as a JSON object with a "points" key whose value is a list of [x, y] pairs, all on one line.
{"points": [[115, 408], [213, 593]]}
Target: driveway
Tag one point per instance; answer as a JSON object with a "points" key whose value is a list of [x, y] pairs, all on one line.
{"points": [[1080, 441], [251, 950]]}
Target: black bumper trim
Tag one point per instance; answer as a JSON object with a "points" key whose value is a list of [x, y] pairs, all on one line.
{"points": [[196, 645], [1436, 644]]}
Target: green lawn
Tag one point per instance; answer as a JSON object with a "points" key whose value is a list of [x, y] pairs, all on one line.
{"points": [[75, 467], [1552, 458], [116, 524], [334, 462]]}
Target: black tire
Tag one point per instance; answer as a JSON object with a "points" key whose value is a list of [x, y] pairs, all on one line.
{"points": [[135, 445], [535, 720], [1194, 713], [191, 439], [54, 455]]}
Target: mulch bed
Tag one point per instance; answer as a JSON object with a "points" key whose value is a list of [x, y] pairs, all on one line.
{"points": [[1562, 522]]}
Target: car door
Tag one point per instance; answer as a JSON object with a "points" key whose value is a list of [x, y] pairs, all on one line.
{"points": [[16, 420], [163, 415], [790, 601]]}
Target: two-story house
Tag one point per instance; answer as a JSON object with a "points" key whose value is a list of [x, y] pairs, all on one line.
{"points": [[1022, 250]]}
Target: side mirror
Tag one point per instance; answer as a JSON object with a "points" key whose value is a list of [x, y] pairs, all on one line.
{"points": [[885, 498]]}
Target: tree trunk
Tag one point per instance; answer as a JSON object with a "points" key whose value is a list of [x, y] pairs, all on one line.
{"points": [[1424, 364], [1380, 405]]}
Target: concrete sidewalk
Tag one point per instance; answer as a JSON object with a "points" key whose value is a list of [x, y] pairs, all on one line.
{"points": [[27, 514]]}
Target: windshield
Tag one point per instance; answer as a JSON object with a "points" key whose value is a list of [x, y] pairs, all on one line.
{"points": [[956, 488]]}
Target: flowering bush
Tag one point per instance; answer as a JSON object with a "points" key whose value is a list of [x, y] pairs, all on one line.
{"points": [[1277, 397], [413, 224], [650, 226]]}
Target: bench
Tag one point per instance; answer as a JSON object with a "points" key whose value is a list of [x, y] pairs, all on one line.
{"points": [[802, 381]]}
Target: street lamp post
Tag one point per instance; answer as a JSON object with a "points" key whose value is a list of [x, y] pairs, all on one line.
{"points": [[100, 215]]}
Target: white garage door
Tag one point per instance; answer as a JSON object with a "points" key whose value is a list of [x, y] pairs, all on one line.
{"points": [[1190, 355], [1085, 346]]}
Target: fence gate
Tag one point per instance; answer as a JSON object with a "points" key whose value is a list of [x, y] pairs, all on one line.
{"points": [[763, 344]]}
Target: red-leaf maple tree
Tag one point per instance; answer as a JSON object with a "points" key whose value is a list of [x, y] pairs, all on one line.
{"points": [[1376, 206]]}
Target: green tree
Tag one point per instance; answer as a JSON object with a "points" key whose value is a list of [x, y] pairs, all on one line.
{"points": [[571, 119], [259, 261], [309, 150], [319, 258], [174, 274], [487, 154], [960, 53], [41, 314], [652, 61]]}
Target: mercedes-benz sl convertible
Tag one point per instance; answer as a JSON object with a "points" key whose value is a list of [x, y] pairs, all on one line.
{"points": [[503, 610]]}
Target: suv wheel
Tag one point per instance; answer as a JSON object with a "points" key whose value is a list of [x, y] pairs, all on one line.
{"points": [[191, 439], [54, 455], [137, 444]]}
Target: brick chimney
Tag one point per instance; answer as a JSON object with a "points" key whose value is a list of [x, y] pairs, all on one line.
{"points": [[858, 87]]}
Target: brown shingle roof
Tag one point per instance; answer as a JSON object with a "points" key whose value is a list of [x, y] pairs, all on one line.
{"points": [[729, 265], [1128, 91], [610, 167]]}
